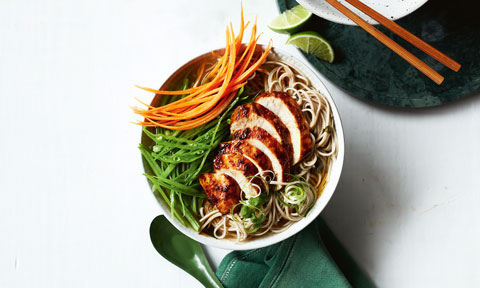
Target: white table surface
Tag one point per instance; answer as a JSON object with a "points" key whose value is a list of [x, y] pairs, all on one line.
{"points": [[75, 209]]}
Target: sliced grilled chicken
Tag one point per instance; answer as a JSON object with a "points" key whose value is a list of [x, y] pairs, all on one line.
{"points": [[290, 113], [242, 170], [222, 190], [277, 154], [255, 115], [252, 153]]}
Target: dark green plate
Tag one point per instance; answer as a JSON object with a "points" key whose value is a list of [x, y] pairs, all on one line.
{"points": [[368, 70]]}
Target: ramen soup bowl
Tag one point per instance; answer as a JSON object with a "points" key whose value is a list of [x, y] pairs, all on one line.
{"points": [[322, 200]]}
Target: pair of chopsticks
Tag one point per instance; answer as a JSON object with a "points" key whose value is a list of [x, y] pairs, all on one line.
{"points": [[394, 46]]}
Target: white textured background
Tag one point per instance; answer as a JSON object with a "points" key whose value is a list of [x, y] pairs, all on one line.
{"points": [[75, 210]]}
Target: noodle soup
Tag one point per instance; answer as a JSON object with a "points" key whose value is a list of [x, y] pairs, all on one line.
{"points": [[313, 179]]}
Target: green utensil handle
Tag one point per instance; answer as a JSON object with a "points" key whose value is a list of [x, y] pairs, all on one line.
{"points": [[208, 279], [182, 251]]}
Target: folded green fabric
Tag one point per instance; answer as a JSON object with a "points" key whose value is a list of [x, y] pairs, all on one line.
{"points": [[300, 261]]}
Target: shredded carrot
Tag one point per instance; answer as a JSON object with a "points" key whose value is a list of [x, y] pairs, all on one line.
{"points": [[213, 90], [199, 76]]}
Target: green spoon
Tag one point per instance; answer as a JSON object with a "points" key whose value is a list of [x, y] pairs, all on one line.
{"points": [[182, 251]]}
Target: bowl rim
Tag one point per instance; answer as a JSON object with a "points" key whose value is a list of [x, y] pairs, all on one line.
{"points": [[321, 201]]}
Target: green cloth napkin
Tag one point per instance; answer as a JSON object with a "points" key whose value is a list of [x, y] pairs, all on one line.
{"points": [[300, 261]]}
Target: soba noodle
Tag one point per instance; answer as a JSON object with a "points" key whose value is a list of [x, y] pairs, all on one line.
{"points": [[278, 209]]}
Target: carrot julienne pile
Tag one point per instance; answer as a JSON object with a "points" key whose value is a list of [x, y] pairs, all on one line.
{"points": [[210, 97]]}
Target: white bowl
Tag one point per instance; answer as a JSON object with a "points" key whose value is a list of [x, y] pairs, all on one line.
{"points": [[392, 9], [321, 201]]}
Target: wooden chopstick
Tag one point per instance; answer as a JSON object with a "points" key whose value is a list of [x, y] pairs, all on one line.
{"points": [[394, 46], [400, 31]]}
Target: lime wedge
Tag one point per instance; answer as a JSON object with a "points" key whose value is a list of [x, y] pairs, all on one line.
{"points": [[312, 43], [290, 20]]}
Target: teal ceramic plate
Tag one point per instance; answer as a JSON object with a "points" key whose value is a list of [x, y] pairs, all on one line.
{"points": [[370, 71]]}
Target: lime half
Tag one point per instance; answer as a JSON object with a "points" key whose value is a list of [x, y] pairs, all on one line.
{"points": [[312, 43], [290, 20]]}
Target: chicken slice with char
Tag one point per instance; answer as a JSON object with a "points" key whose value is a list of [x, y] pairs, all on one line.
{"points": [[242, 170], [277, 154], [255, 115], [289, 112], [251, 152], [222, 190]]}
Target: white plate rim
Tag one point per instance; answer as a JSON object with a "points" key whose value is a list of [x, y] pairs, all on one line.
{"points": [[337, 17]]}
